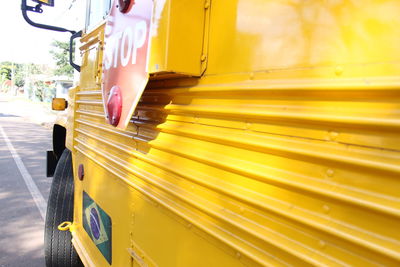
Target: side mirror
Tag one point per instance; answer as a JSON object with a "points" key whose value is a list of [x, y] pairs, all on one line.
{"points": [[45, 2], [59, 104], [38, 9]]}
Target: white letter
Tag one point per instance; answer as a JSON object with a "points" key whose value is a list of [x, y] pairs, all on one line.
{"points": [[107, 57], [139, 38], [116, 46], [126, 47]]}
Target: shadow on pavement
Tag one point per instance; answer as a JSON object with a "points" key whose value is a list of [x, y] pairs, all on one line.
{"points": [[2, 115]]}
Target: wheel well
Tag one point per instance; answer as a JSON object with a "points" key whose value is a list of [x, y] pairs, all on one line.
{"points": [[59, 135]]}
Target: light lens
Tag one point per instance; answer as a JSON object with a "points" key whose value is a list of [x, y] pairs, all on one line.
{"points": [[114, 105], [124, 5]]}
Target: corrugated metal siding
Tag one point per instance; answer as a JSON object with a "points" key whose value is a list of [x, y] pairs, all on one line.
{"points": [[279, 171]]}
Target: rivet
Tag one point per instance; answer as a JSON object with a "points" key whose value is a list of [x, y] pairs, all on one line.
{"points": [[241, 210], [326, 208], [238, 255], [338, 70], [203, 58], [189, 225], [322, 244], [333, 135], [251, 76], [207, 5], [330, 172], [248, 125], [81, 172]]}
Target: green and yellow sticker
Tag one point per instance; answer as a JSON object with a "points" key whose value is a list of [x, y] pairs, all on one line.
{"points": [[97, 224]]}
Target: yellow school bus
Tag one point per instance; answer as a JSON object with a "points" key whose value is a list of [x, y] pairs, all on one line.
{"points": [[229, 133]]}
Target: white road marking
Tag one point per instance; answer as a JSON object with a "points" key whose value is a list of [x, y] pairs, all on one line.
{"points": [[33, 189]]}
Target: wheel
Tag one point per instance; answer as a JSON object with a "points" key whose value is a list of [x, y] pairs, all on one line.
{"points": [[59, 251]]}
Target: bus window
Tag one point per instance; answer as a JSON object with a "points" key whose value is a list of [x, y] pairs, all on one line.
{"points": [[96, 12]]}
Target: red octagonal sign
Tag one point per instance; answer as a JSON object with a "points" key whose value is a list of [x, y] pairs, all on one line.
{"points": [[125, 74]]}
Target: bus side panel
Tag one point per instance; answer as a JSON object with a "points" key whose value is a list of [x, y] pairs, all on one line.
{"points": [[282, 153]]}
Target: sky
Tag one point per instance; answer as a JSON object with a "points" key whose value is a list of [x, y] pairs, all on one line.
{"points": [[22, 43]]}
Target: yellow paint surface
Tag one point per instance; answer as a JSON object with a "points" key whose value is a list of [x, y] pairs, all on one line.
{"points": [[286, 151]]}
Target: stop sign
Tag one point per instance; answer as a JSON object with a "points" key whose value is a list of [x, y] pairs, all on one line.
{"points": [[125, 75]]}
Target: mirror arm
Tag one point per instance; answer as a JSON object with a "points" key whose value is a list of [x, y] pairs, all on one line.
{"points": [[37, 8], [25, 8]]}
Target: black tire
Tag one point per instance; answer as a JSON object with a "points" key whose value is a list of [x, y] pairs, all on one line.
{"points": [[59, 251]]}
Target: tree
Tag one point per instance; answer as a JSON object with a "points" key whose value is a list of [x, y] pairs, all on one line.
{"points": [[5, 76], [5, 70], [60, 54], [35, 68], [42, 91], [20, 74]]}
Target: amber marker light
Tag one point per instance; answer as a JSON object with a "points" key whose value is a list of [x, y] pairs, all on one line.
{"points": [[59, 104]]}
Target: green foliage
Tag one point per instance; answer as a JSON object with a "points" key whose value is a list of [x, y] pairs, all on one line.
{"points": [[5, 70], [34, 68], [5, 76], [42, 90], [28, 78], [22, 71], [20, 74], [60, 54]]}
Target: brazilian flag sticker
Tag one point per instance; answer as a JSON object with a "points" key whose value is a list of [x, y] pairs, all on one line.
{"points": [[97, 224]]}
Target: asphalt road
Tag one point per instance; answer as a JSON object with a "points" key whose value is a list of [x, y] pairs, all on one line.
{"points": [[24, 188]]}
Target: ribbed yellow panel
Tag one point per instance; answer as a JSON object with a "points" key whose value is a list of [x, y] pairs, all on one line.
{"points": [[275, 175], [296, 166]]}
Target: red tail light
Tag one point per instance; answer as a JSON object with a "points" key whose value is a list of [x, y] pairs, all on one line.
{"points": [[125, 5], [114, 105]]}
